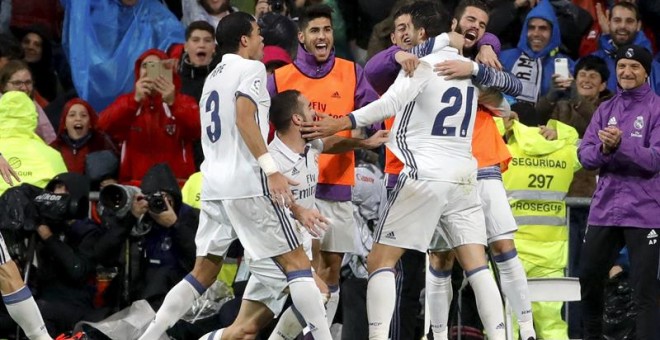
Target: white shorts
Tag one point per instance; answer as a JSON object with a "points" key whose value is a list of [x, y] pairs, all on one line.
{"points": [[4, 252], [264, 229], [500, 223], [339, 236], [267, 284], [417, 207]]}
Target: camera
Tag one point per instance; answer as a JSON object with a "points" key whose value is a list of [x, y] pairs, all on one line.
{"points": [[156, 202], [276, 6], [118, 198]]}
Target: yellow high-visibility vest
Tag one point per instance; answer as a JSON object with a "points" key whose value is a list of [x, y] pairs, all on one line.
{"points": [[537, 181]]}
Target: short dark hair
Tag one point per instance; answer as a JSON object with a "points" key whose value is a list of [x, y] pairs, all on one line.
{"points": [[460, 9], [230, 30], [314, 12], [9, 70], [200, 25], [593, 63], [627, 5], [282, 108], [403, 10], [279, 30], [431, 16], [10, 48]]}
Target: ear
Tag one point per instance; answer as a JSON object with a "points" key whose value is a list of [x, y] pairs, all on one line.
{"points": [[639, 25], [296, 119], [454, 23], [392, 38], [244, 40], [602, 86], [301, 37], [422, 33]]}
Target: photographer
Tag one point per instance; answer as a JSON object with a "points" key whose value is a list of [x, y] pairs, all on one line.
{"points": [[162, 230]]}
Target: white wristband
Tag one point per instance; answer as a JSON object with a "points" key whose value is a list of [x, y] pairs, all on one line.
{"points": [[267, 164]]}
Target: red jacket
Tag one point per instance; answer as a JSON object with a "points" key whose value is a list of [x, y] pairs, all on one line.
{"points": [[152, 132], [74, 157]]}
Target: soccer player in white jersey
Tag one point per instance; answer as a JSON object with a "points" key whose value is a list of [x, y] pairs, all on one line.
{"points": [[243, 192], [432, 135], [297, 158]]}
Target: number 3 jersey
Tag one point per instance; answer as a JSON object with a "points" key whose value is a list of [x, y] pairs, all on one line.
{"points": [[432, 131], [229, 169]]}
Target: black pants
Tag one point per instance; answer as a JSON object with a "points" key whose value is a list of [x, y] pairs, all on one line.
{"points": [[599, 252]]}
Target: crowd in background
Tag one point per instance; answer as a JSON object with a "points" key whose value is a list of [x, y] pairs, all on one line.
{"points": [[115, 88]]}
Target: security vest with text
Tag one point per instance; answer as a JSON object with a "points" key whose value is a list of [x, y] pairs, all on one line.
{"points": [[333, 94], [537, 181]]}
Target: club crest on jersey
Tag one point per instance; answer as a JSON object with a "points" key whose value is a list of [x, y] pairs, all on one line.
{"points": [[256, 86], [639, 123], [170, 129]]}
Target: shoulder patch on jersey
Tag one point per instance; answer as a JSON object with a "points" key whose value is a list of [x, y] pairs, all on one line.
{"points": [[256, 87]]}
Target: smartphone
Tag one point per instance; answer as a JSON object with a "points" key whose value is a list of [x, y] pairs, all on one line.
{"points": [[162, 68], [561, 68]]}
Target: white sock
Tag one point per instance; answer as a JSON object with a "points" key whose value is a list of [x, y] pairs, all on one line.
{"points": [[439, 294], [489, 302], [308, 301], [288, 326], [22, 309], [177, 302], [514, 287], [215, 335], [332, 304], [381, 300]]}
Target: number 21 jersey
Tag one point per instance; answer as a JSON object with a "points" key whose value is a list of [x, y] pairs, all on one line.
{"points": [[229, 170]]}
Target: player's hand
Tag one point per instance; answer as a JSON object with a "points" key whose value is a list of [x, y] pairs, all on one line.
{"points": [[324, 127], [44, 232], [312, 220], [453, 69], [508, 121], [456, 40], [488, 57], [166, 89], [561, 84], [8, 172], [166, 218], [279, 189], [408, 62], [143, 88], [548, 133], [379, 138], [610, 137]]}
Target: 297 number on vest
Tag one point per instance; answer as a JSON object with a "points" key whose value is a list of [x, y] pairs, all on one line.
{"points": [[213, 107], [439, 128], [540, 181]]}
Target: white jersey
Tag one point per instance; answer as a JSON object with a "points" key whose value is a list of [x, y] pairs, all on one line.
{"points": [[302, 168], [229, 170], [432, 131]]}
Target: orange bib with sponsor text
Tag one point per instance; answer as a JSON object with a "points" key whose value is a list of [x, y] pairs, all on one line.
{"points": [[333, 94], [393, 165]]}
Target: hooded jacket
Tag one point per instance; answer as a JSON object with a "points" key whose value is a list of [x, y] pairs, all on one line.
{"points": [[74, 152], [629, 178], [544, 58], [151, 131], [34, 161]]}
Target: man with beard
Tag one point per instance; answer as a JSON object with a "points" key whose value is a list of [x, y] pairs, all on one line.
{"points": [[625, 28], [333, 86]]}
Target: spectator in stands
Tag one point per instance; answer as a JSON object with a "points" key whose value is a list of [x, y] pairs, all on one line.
{"points": [[279, 30], [10, 49], [274, 58], [198, 59], [166, 244], [623, 141], [624, 26], [16, 76], [32, 160], [533, 61], [155, 123], [211, 11], [115, 33], [38, 52], [66, 258], [78, 135]]}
